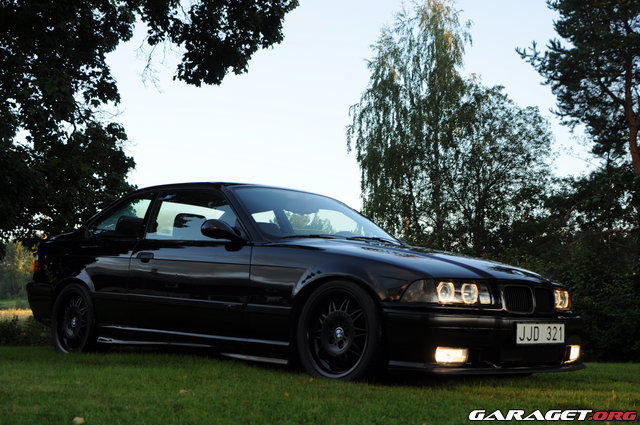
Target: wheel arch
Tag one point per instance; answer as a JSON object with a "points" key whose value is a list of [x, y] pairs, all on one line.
{"points": [[83, 281], [303, 294]]}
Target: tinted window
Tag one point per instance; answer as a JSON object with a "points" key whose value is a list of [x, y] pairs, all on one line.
{"points": [[126, 220], [182, 213]]}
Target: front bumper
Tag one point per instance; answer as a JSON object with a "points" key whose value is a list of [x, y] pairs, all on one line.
{"points": [[412, 337]]}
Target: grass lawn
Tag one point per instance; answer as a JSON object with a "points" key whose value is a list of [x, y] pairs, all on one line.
{"points": [[20, 304], [38, 386]]}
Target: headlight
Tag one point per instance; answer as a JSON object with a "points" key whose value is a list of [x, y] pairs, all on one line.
{"points": [[563, 302], [447, 292], [421, 291], [469, 293]]}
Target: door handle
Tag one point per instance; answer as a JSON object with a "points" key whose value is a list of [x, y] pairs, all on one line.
{"points": [[144, 256]]}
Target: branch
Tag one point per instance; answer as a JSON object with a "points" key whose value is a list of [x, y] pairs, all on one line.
{"points": [[608, 91]]}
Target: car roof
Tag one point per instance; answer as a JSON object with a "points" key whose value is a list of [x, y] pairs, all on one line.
{"points": [[219, 185], [216, 185], [187, 184]]}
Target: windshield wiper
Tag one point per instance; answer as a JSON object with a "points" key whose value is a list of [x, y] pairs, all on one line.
{"points": [[372, 238], [351, 238], [321, 236]]}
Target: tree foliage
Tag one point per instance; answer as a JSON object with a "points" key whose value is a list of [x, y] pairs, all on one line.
{"points": [[60, 155], [15, 271], [401, 125], [602, 257], [596, 74], [496, 173], [445, 161]]}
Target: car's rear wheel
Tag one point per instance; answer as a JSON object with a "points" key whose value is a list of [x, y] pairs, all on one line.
{"points": [[339, 332], [73, 320]]}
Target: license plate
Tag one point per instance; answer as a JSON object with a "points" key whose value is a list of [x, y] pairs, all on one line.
{"points": [[539, 333]]}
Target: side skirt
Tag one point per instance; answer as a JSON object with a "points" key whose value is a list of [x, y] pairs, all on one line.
{"points": [[244, 348], [193, 335]]}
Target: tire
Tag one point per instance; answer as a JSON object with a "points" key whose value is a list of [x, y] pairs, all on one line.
{"points": [[339, 333], [73, 321]]}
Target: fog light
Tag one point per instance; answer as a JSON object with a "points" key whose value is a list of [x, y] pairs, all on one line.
{"points": [[451, 356], [574, 353]]}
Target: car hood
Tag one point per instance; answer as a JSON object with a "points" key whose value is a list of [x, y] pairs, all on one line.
{"points": [[426, 262]]}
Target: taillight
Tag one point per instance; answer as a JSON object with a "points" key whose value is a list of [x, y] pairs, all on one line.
{"points": [[35, 264]]}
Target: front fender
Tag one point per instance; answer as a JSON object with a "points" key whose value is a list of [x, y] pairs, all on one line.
{"points": [[386, 281]]}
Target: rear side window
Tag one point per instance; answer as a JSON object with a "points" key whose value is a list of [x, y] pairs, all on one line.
{"points": [[182, 213], [125, 221]]}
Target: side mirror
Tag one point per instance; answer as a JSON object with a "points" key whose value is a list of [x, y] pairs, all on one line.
{"points": [[217, 229]]}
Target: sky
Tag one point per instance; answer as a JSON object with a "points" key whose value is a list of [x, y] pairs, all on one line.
{"points": [[283, 123]]}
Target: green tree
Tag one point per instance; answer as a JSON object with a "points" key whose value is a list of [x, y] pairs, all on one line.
{"points": [[446, 162], [60, 157], [596, 75], [496, 173], [15, 271], [602, 259], [402, 124]]}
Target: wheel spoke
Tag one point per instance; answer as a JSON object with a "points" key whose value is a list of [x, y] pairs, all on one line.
{"points": [[358, 332], [355, 349], [356, 314], [332, 306], [345, 304]]}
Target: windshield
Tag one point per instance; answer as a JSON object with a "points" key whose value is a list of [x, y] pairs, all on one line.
{"points": [[288, 213]]}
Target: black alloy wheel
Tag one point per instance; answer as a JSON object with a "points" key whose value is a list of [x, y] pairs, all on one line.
{"points": [[73, 321], [339, 332]]}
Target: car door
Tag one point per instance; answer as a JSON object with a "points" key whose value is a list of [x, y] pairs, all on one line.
{"points": [[105, 252], [184, 283]]}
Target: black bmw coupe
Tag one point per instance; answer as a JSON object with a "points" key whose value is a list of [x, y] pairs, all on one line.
{"points": [[288, 276]]}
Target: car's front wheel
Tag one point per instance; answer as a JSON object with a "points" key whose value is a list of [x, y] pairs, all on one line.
{"points": [[339, 332], [73, 320]]}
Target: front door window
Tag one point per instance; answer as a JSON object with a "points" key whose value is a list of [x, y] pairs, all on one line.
{"points": [[181, 215]]}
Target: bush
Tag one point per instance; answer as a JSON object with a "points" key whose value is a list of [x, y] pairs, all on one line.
{"points": [[16, 330], [20, 304], [602, 271]]}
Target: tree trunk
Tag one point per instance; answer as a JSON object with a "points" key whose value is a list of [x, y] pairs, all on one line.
{"points": [[633, 119], [635, 150]]}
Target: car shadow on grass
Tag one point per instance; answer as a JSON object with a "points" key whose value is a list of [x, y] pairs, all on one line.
{"points": [[389, 378]]}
